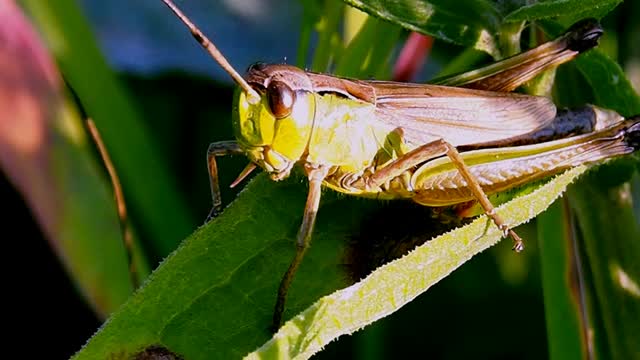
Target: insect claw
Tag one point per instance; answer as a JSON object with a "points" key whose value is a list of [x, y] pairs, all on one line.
{"points": [[518, 244], [212, 214]]}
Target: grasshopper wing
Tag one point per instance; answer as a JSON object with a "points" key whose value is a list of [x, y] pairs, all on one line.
{"points": [[459, 116]]}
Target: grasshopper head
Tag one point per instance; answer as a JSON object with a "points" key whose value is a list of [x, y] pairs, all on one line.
{"points": [[275, 131]]}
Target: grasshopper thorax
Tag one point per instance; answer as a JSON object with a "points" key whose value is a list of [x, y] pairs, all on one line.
{"points": [[274, 132]]}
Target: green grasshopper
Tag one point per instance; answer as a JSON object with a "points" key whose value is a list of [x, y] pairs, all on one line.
{"points": [[436, 145]]}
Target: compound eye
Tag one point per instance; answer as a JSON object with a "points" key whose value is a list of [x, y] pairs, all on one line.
{"points": [[281, 99]]}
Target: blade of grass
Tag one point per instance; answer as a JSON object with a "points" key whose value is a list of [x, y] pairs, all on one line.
{"points": [[612, 250], [327, 29], [149, 186], [562, 296], [45, 153], [368, 51]]}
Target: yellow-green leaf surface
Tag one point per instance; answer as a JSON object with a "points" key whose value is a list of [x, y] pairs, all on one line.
{"points": [[395, 284]]}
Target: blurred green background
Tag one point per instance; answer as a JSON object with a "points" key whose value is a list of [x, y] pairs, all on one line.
{"points": [[159, 101]]}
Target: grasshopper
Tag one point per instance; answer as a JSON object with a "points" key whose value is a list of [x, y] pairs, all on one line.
{"points": [[433, 144]]}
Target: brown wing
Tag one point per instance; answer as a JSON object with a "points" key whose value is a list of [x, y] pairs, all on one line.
{"points": [[460, 116]]}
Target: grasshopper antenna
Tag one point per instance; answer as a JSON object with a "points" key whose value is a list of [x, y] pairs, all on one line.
{"points": [[252, 95]]}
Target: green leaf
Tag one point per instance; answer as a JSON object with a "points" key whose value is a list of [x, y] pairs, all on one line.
{"points": [[395, 284], [610, 86], [213, 298], [475, 26], [569, 10]]}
